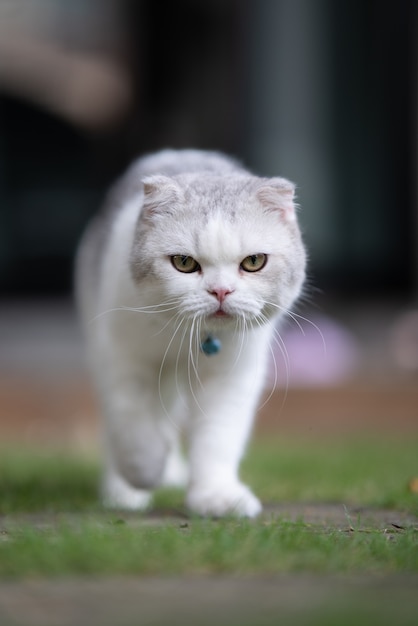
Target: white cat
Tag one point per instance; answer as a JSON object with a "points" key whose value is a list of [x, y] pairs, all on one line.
{"points": [[180, 281]]}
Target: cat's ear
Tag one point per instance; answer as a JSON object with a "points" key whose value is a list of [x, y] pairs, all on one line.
{"points": [[161, 195], [278, 194]]}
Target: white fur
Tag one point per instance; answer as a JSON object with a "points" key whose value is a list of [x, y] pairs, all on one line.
{"points": [[145, 322]]}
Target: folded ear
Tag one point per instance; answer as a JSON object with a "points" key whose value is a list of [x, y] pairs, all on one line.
{"points": [[278, 194], [161, 194]]}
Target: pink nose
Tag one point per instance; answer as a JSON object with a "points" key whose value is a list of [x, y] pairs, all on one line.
{"points": [[219, 293]]}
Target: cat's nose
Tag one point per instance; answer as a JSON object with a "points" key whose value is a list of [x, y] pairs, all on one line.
{"points": [[219, 293]]}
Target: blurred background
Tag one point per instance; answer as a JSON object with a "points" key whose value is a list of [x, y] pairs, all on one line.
{"points": [[321, 92]]}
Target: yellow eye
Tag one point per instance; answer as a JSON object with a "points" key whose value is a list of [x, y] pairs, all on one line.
{"points": [[185, 264], [254, 262]]}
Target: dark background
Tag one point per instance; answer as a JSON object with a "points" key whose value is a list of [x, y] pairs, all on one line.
{"points": [[319, 91]]}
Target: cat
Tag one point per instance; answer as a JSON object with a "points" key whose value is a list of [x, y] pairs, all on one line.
{"points": [[181, 280]]}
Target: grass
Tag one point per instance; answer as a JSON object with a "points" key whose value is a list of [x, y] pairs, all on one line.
{"points": [[364, 472], [214, 548], [52, 525]]}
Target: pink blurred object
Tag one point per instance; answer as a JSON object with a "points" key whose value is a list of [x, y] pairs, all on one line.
{"points": [[319, 352]]}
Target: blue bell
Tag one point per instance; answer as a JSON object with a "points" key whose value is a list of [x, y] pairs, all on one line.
{"points": [[211, 345]]}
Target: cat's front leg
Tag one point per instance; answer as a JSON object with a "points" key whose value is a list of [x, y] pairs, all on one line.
{"points": [[139, 445], [119, 493], [217, 442]]}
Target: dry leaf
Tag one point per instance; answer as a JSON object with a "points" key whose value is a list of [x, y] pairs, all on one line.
{"points": [[413, 485]]}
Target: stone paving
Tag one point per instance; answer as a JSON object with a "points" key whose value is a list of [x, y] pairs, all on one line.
{"points": [[261, 601]]}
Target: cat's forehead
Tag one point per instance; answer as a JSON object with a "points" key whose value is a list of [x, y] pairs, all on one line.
{"points": [[210, 194], [219, 239], [222, 237]]}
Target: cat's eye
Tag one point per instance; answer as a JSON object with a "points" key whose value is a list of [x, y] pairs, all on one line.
{"points": [[254, 262], [185, 264]]}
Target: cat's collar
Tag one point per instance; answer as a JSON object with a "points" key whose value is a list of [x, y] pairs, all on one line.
{"points": [[210, 345]]}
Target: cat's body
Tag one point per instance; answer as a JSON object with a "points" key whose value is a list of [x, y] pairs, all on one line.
{"points": [[191, 250]]}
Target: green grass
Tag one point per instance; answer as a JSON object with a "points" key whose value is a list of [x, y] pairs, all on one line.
{"points": [[202, 547], [364, 472], [51, 523]]}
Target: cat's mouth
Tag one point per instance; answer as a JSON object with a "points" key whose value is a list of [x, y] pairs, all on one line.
{"points": [[220, 317]]}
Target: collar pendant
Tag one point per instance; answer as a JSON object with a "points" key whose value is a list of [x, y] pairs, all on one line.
{"points": [[211, 345]]}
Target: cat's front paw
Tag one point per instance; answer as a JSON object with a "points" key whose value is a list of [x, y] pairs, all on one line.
{"points": [[221, 500], [118, 494]]}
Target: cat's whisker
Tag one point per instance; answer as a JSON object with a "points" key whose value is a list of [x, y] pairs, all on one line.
{"points": [[277, 338], [152, 307], [276, 374], [308, 321], [163, 307], [275, 381], [176, 370], [295, 317], [177, 314], [290, 314], [160, 373], [241, 323], [190, 366], [260, 321], [194, 347], [198, 343], [197, 339], [279, 341]]}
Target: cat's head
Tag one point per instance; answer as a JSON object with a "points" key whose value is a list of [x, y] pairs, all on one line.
{"points": [[222, 247]]}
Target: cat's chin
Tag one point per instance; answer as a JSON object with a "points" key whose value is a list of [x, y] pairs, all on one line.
{"points": [[221, 320], [221, 314], [228, 321]]}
